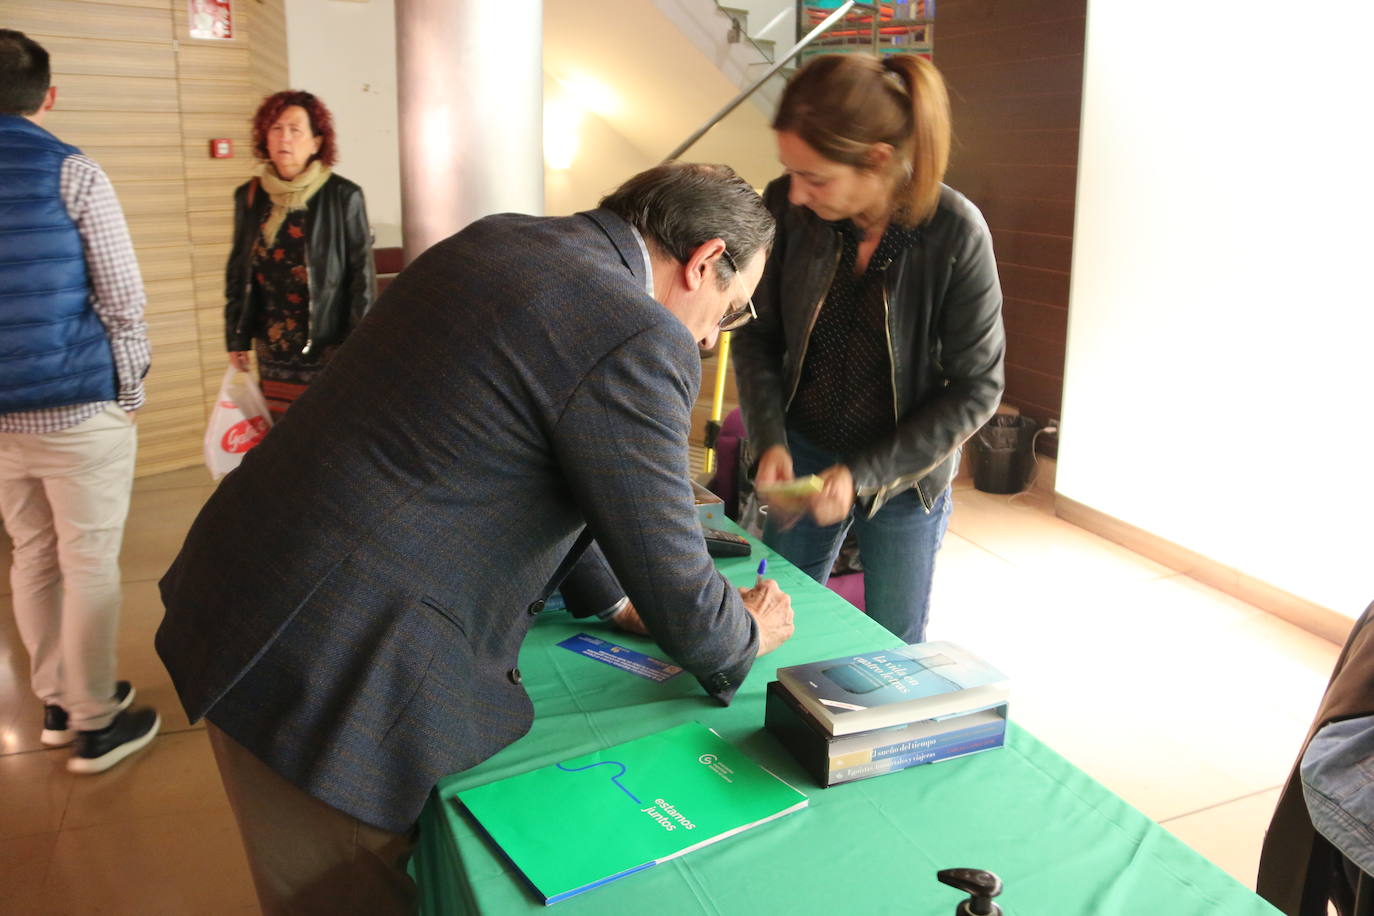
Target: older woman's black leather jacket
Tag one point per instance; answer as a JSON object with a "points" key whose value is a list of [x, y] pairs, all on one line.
{"points": [[945, 338], [340, 271]]}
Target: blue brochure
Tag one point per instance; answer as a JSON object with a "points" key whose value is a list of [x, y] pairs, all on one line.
{"points": [[646, 666]]}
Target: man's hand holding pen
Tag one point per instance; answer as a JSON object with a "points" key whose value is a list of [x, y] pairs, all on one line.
{"points": [[769, 605], [772, 610]]}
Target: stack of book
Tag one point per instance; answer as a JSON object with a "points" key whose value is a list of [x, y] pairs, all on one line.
{"points": [[864, 715]]}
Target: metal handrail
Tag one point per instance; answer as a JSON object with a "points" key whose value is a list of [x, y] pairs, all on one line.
{"points": [[777, 65]]}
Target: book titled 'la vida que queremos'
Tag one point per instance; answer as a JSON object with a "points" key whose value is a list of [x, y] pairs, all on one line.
{"points": [[587, 821], [928, 680]]}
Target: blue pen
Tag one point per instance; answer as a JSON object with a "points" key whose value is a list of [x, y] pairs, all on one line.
{"points": [[763, 568]]}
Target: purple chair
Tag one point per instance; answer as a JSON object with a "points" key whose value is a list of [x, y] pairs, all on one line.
{"points": [[725, 483], [849, 586]]}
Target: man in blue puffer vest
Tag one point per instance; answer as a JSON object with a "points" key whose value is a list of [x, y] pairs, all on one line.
{"points": [[73, 354]]}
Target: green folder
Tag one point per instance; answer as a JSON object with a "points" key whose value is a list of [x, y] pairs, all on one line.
{"points": [[584, 822]]}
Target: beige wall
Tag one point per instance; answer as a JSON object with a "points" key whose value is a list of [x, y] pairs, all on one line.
{"points": [[1222, 311], [346, 54], [604, 159], [143, 100]]}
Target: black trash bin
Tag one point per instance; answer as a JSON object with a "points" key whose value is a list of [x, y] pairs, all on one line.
{"points": [[1002, 456]]}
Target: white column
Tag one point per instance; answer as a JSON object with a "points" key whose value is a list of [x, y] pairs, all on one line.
{"points": [[469, 81]]}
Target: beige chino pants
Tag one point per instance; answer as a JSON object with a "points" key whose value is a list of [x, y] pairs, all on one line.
{"points": [[64, 497], [306, 856]]}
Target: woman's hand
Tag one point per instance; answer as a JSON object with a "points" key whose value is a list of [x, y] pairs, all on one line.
{"points": [[239, 359], [775, 466], [833, 503]]}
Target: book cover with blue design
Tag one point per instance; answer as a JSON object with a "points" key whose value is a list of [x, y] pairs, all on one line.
{"points": [[928, 680], [919, 757], [584, 822], [831, 760]]}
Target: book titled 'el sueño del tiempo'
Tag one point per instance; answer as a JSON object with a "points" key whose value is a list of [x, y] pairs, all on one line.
{"points": [[833, 760], [881, 689], [587, 821]]}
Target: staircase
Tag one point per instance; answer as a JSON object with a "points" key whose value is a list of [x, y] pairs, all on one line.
{"points": [[745, 38], [742, 39]]}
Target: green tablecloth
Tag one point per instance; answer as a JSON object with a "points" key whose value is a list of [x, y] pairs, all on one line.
{"points": [[1061, 842]]}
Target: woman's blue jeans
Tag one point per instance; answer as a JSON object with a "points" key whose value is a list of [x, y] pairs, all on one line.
{"points": [[897, 547]]}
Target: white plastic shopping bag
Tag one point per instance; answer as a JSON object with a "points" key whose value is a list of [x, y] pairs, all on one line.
{"points": [[238, 422]]}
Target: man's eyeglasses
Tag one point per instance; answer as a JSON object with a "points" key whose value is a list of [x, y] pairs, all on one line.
{"points": [[735, 319]]}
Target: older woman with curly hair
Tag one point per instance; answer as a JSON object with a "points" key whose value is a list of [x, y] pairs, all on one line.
{"points": [[300, 273]]}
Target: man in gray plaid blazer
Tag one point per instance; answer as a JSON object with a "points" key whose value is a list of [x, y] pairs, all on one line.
{"points": [[348, 608]]}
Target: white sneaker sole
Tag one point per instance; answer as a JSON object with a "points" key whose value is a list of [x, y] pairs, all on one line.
{"points": [[114, 755], [49, 738], [57, 739], [128, 699]]}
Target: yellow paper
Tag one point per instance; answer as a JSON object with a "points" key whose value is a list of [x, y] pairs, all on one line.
{"points": [[801, 486]]}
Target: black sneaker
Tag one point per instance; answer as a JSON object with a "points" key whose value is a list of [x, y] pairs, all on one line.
{"points": [[131, 731], [57, 732]]}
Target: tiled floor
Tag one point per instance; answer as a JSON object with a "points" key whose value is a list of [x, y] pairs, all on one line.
{"points": [[1188, 703]]}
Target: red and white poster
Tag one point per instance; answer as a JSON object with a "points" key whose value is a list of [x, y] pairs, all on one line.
{"points": [[211, 18]]}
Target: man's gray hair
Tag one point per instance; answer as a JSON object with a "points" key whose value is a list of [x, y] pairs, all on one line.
{"points": [[678, 206]]}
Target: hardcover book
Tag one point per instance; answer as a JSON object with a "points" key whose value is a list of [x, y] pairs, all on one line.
{"points": [[917, 757], [928, 680], [584, 822], [834, 760]]}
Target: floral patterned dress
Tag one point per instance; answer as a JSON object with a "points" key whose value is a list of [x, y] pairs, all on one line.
{"points": [[281, 285]]}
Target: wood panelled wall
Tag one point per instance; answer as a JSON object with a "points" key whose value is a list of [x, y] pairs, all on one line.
{"points": [[1015, 75], [143, 100]]}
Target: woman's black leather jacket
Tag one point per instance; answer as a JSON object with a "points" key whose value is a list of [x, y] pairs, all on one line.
{"points": [[340, 271], [945, 339]]}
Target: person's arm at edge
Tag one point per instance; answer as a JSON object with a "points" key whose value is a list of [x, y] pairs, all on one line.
{"points": [[236, 279], [362, 269]]}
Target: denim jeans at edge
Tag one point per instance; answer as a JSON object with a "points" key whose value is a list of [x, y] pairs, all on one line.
{"points": [[897, 547]]}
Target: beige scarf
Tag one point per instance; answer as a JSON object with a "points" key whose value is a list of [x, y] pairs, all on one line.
{"points": [[288, 195]]}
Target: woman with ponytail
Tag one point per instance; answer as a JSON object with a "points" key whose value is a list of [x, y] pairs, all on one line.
{"points": [[878, 346]]}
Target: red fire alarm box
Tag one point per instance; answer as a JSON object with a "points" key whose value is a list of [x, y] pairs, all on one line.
{"points": [[221, 149]]}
